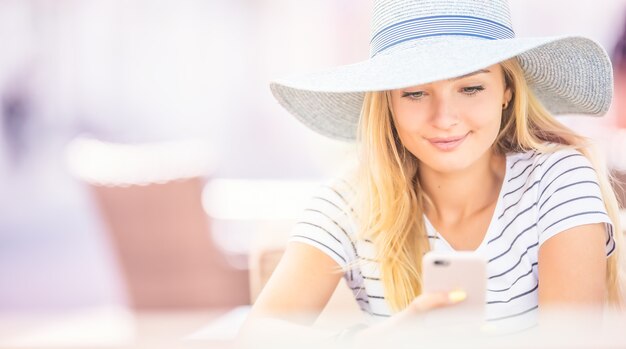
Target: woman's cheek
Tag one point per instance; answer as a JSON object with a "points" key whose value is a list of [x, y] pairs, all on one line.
{"points": [[409, 123]]}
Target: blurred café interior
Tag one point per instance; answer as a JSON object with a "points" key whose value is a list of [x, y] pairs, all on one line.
{"points": [[148, 179]]}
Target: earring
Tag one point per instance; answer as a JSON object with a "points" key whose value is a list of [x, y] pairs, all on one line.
{"points": [[505, 105]]}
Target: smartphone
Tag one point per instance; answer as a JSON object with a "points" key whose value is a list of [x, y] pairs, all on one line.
{"points": [[451, 271]]}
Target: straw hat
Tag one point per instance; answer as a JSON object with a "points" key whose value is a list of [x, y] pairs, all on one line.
{"points": [[415, 42]]}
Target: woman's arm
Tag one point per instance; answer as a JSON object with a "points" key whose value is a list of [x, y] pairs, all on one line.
{"points": [[298, 291], [294, 296], [572, 268]]}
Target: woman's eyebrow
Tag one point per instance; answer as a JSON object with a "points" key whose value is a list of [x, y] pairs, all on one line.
{"points": [[470, 74]]}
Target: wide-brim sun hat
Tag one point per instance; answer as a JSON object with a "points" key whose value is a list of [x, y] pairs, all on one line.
{"points": [[415, 42]]}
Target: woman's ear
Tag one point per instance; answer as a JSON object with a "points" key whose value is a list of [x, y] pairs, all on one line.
{"points": [[508, 95]]}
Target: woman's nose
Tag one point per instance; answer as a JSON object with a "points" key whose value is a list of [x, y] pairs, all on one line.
{"points": [[444, 115]]}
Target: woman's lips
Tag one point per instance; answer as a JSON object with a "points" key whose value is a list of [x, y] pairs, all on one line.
{"points": [[448, 143]]}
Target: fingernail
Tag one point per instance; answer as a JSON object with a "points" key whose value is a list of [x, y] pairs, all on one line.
{"points": [[456, 296]]}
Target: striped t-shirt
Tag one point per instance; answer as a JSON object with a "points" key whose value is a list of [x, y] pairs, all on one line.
{"points": [[541, 195]]}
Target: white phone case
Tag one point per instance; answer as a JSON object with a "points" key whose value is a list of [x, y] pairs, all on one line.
{"points": [[456, 271]]}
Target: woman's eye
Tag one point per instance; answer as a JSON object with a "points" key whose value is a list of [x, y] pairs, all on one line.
{"points": [[472, 90], [413, 95]]}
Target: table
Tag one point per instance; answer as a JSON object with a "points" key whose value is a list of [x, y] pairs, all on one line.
{"points": [[109, 327]]}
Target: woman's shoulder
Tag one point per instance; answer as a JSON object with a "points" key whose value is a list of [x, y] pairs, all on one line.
{"points": [[564, 161], [335, 197], [557, 152], [552, 166], [547, 160], [342, 184], [338, 192]]}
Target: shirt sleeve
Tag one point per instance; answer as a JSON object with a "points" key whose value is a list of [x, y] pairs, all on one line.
{"points": [[327, 223], [570, 196]]}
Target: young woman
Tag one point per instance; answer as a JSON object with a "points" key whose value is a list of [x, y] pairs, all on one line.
{"points": [[459, 152]]}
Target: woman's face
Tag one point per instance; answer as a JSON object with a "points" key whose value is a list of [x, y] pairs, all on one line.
{"points": [[450, 124]]}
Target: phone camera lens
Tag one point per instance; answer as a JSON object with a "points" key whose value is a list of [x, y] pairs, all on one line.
{"points": [[441, 262]]}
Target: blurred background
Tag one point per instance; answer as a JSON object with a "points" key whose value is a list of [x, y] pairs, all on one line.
{"points": [[145, 166]]}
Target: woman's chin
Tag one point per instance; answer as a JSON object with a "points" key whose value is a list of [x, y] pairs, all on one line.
{"points": [[449, 165]]}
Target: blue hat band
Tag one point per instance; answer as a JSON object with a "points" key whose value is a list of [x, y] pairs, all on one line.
{"points": [[423, 27]]}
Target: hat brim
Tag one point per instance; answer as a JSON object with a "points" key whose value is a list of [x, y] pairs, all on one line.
{"points": [[569, 75]]}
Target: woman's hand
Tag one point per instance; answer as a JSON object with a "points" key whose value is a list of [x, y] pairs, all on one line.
{"points": [[418, 307]]}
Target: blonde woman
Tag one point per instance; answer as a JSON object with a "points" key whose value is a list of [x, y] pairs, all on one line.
{"points": [[459, 151]]}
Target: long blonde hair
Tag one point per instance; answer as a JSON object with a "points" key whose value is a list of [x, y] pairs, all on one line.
{"points": [[391, 202]]}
